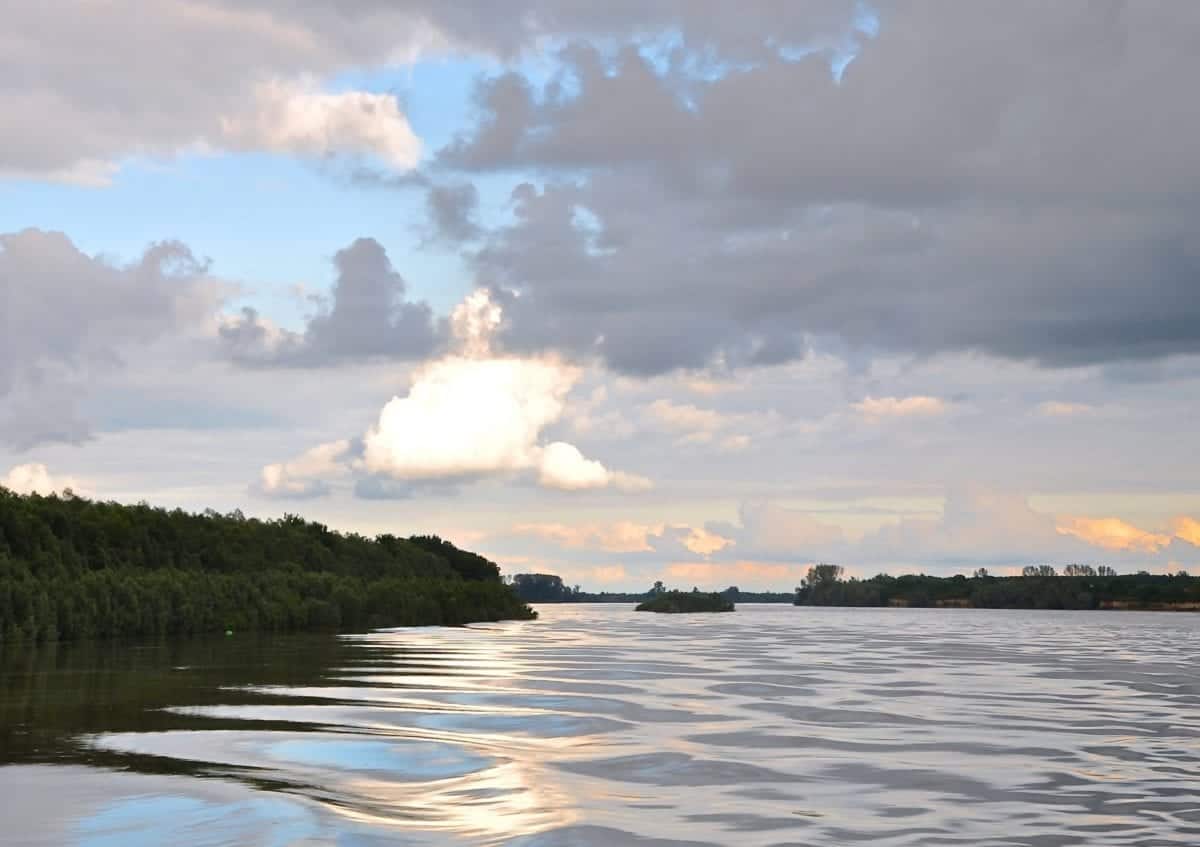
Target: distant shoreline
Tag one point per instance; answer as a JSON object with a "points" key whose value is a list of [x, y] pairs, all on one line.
{"points": [[1042, 587], [1080, 587]]}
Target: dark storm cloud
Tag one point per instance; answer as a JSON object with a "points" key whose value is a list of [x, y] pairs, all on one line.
{"points": [[1015, 178], [366, 317]]}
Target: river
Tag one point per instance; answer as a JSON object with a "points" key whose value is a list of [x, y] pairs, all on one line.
{"points": [[596, 725]]}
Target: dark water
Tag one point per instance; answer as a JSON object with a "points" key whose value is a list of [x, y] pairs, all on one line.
{"points": [[599, 726]]}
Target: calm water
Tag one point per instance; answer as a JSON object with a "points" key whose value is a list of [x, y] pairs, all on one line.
{"points": [[599, 726]]}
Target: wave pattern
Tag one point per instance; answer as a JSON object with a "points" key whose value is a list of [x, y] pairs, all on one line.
{"points": [[599, 726]]}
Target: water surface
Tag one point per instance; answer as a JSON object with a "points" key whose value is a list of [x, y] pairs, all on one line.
{"points": [[596, 725]]}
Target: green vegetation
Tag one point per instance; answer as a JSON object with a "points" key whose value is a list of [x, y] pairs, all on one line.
{"points": [[1039, 587], [549, 588], [71, 568], [677, 602]]}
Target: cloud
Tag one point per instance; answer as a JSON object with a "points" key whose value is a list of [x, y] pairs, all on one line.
{"points": [[296, 118], [769, 529], [606, 574], [685, 417], [700, 426], [452, 209], [307, 475], [942, 206], [74, 110], [880, 408], [1187, 529], [1059, 409], [776, 576], [562, 466], [76, 114], [703, 542], [69, 318], [36, 479], [977, 526], [1113, 534], [476, 414], [619, 537], [367, 317], [383, 488], [469, 415], [627, 537]]}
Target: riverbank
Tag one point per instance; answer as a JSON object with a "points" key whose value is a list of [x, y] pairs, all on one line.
{"points": [[1081, 587], [73, 569]]}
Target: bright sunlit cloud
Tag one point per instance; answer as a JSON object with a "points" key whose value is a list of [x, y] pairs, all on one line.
{"points": [[35, 478], [1187, 529], [298, 118], [1113, 534], [468, 415]]}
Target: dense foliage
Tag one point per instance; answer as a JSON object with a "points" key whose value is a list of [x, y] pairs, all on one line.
{"points": [[72, 568], [675, 602], [543, 588], [1039, 587]]}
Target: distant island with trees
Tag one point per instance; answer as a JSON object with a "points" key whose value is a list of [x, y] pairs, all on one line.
{"points": [[686, 602], [72, 568]]}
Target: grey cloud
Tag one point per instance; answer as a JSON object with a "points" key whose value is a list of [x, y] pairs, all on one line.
{"points": [[71, 111], [1012, 178], [67, 318], [46, 414], [384, 488], [366, 317], [452, 209]]}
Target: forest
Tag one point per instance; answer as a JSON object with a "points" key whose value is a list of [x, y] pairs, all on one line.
{"points": [[1038, 587], [72, 568]]}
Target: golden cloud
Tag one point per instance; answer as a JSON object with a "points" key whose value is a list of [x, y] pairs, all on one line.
{"points": [[704, 543], [1113, 534], [710, 572], [620, 537], [1187, 529], [608, 573]]}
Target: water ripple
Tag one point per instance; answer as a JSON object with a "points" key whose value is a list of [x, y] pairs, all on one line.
{"points": [[598, 726]]}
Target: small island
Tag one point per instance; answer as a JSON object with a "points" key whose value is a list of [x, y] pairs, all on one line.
{"points": [[686, 602]]}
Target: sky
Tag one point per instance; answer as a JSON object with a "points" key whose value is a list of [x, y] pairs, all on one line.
{"points": [[692, 291]]}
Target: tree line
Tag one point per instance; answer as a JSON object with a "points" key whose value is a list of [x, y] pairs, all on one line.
{"points": [[73, 568], [1038, 587], [550, 588]]}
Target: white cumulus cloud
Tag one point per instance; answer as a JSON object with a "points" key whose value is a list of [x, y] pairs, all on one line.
{"points": [[306, 475], [297, 118], [36, 478], [468, 415]]}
